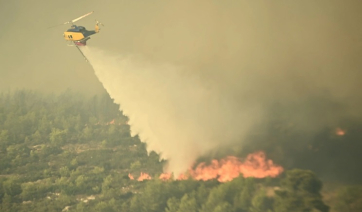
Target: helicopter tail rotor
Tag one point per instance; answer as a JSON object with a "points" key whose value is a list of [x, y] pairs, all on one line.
{"points": [[97, 28], [99, 23]]}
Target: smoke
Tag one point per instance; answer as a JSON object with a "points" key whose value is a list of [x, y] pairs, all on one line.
{"points": [[211, 73], [173, 113]]}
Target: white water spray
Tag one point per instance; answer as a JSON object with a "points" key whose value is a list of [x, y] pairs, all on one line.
{"points": [[174, 114]]}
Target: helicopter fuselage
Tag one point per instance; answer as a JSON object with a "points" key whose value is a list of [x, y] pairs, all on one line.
{"points": [[78, 34]]}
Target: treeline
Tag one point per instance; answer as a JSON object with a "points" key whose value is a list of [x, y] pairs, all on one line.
{"points": [[71, 153], [299, 190]]}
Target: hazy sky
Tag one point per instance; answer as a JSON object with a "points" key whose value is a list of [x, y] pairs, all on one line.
{"points": [[260, 50], [35, 57], [207, 35]]}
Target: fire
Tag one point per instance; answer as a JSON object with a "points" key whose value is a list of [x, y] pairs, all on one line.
{"points": [[165, 176], [144, 176], [130, 176], [183, 177], [340, 132], [255, 165]]}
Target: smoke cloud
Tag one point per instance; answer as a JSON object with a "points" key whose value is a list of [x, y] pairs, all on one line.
{"points": [[173, 113], [205, 74]]}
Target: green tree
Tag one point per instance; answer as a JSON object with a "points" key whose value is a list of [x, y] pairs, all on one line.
{"points": [[300, 192], [137, 205], [223, 207], [188, 204], [6, 204], [12, 186], [103, 207], [58, 136], [87, 133], [153, 198], [173, 204], [36, 137], [107, 183], [80, 182], [29, 191], [63, 201], [135, 165], [81, 207], [98, 170], [64, 172], [74, 163], [244, 193], [216, 197], [202, 194], [261, 202], [4, 137]]}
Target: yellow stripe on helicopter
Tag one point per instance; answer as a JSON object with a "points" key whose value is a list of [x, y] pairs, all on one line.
{"points": [[73, 36]]}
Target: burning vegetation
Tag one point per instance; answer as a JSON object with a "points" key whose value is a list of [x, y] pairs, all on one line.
{"points": [[255, 165], [143, 176], [340, 132]]}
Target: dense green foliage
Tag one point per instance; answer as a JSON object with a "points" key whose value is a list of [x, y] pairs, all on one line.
{"points": [[68, 152]]}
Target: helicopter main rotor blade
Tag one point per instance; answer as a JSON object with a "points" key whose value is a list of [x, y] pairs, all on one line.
{"points": [[77, 19], [74, 20]]}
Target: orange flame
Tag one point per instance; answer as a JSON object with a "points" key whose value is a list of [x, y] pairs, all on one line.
{"points": [[111, 122], [130, 176], [340, 132], [183, 177], [144, 176], [165, 176], [255, 165]]}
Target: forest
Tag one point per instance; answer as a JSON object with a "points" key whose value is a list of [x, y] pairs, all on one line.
{"points": [[70, 152]]}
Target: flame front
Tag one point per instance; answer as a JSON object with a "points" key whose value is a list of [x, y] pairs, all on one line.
{"points": [[165, 176], [255, 165], [144, 176]]}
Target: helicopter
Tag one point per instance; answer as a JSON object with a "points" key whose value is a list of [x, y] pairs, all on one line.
{"points": [[78, 35]]}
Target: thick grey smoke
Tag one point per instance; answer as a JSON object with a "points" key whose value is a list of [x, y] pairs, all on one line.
{"points": [[211, 71], [173, 113]]}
